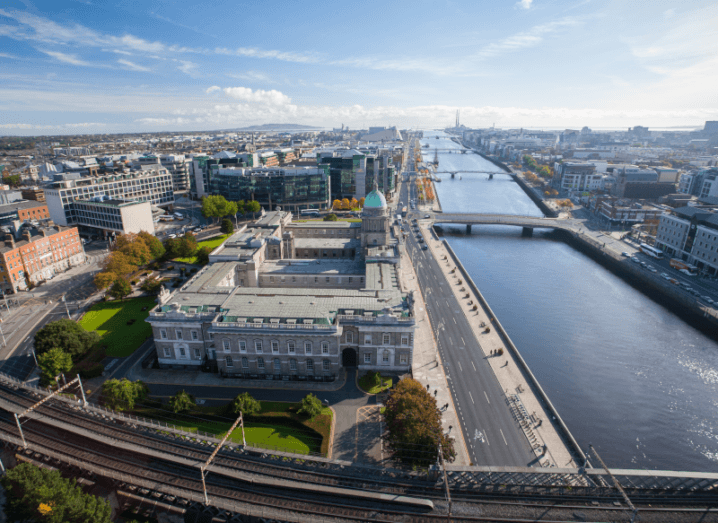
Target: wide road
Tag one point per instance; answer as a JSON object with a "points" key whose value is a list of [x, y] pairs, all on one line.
{"points": [[490, 431]]}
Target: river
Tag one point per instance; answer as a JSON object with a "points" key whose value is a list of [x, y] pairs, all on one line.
{"points": [[625, 373]]}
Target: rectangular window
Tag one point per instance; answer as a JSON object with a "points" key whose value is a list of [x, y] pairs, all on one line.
{"points": [[163, 334], [308, 348], [183, 353], [178, 334], [367, 339], [310, 365], [258, 346], [197, 354], [325, 347], [292, 364], [242, 346], [367, 357], [326, 365], [290, 347], [226, 346], [195, 337], [260, 363], [245, 363], [168, 352], [350, 337], [385, 357], [386, 339], [404, 359], [405, 340], [228, 361], [275, 347]]}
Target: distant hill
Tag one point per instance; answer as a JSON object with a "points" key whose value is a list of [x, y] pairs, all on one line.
{"points": [[276, 127]]}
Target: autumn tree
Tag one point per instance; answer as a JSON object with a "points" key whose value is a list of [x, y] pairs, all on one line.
{"points": [[136, 250], [361, 202], [120, 288], [337, 205], [157, 250], [36, 494], [354, 203], [413, 423], [346, 204]]}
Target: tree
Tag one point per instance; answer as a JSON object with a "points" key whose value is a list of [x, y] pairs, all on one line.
{"points": [[544, 172], [182, 401], [34, 494], [119, 263], [66, 335], [104, 279], [245, 404], [330, 217], [157, 250], [337, 205], [136, 250], [122, 394], [413, 423], [361, 202], [202, 255], [13, 181], [253, 207], [311, 406], [227, 226], [241, 207], [182, 247], [346, 204], [151, 285], [54, 362], [216, 206], [354, 203], [120, 288]]}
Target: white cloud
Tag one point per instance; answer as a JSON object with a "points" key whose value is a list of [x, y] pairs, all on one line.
{"points": [[8, 55], [118, 51], [530, 38], [213, 89], [59, 126], [133, 66], [526, 4], [66, 58], [253, 76], [246, 94], [188, 68]]}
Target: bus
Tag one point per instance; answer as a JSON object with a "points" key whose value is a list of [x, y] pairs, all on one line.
{"points": [[309, 212], [178, 216], [403, 211], [651, 251]]}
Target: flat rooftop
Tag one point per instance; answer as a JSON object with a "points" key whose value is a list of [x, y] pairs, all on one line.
{"points": [[327, 243], [326, 266]]}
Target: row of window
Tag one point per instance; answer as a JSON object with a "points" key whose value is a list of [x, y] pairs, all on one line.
{"points": [[277, 364], [291, 346]]}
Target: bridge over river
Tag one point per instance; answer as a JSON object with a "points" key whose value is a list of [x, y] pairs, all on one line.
{"points": [[527, 223]]}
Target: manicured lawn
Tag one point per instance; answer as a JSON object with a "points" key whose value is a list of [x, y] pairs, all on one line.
{"points": [[110, 319], [276, 427], [366, 383], [211, 243]]}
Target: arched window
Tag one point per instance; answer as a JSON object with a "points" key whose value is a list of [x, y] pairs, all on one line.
{"points": [[310, 365], [292, 364], [228, 361], [277, 365], [327, 365], [260, 363], [245, 363]]}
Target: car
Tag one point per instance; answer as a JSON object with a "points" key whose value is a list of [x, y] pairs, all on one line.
{"points": [[624, 253], [421, 240], [707, 298], [664, 275], [643, 264], [427, 216], [652, 269], [635, 260], [172, 236], [425, 248]]}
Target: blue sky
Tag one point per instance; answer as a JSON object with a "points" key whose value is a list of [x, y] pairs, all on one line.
{"points": [[131, 66]]}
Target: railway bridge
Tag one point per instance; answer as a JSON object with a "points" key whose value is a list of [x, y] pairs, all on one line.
{"points": [[527, 223]]}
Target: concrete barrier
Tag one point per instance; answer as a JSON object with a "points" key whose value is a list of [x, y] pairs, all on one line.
{"points": [[530, 378]]}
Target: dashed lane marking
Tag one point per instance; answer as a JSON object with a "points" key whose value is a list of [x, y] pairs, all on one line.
{"points": [[487, 398], [502, 435], [474, 366], [472, 398]]}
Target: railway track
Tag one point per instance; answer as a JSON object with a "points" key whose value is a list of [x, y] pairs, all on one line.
{"points": [[171, 473]]}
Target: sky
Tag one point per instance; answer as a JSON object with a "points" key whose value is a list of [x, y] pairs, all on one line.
{"points": [[92, 66]]}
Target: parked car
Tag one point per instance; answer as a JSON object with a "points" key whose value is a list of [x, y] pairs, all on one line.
{"points": [[625, 254]]}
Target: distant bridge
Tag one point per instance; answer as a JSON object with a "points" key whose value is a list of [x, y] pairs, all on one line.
{"points": [[528, 223], [447, 151]]}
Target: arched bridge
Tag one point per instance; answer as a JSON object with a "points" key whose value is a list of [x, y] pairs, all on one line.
{"points": [[528, 223]]}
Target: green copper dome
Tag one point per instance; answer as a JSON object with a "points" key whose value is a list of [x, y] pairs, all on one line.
{"points": [[375, 200]]}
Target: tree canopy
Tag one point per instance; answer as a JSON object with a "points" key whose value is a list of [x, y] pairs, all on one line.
{"points": [[311, 406], [216, 206], [245, 404], [330, 217], [413, 422], [34, 495], [66, 335], [122, 394], [120, 288], [52, 363], [182, 247], [202, 255], [227, 226], [182, 401], [253, 207], [129, 252]]}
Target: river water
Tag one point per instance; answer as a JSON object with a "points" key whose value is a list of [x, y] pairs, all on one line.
{"points": [[625, 373]]}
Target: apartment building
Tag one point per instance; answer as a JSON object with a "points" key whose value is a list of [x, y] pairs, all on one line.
{"points": [[23, 211], [691, 234], [576, 176], [37, 255], [103, 215]]}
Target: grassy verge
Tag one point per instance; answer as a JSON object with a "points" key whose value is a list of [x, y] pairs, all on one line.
{"points": [[366, 383], [110, 320], [211, 243], [276, 426]]}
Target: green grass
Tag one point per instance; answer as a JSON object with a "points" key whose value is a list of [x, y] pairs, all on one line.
{"points": [[277, 426], [211, 243], [366, 383], [109, 320]]}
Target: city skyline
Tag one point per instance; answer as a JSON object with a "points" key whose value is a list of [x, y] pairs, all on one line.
{"points": [[77, 67]]}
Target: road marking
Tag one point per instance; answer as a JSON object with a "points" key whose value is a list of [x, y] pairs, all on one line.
{"points": [[502, 435], [474, 366], [454, 321], [472, 398], [487, 398], [462, 370], [462, 340]]}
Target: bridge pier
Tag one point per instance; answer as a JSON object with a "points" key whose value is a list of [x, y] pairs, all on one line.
{"points": [[468, 228], [527, 231], [453, 174]]}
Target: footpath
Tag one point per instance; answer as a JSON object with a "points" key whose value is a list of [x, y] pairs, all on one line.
{"points": [[537, 422]]}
